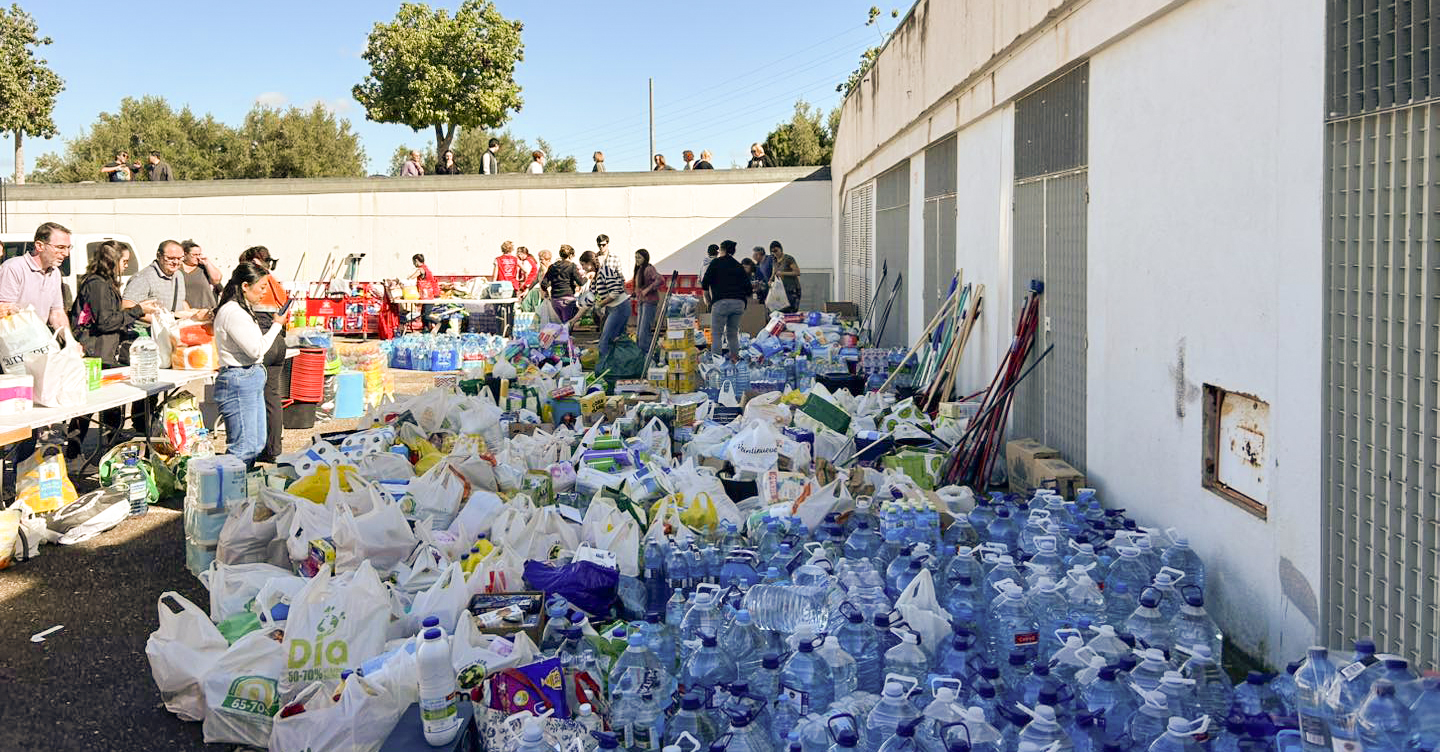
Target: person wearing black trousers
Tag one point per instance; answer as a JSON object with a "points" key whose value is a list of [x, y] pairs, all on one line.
{"points": [[274, 362]]}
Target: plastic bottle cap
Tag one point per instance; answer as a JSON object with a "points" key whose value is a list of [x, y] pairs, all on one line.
{"points": [[430, 621], [433, 633], [1365, 645], [770, 661], [1255, 678], [894, 689]]}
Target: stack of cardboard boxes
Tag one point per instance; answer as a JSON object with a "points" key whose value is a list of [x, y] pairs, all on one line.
{"points": [[681, 356], [1032, 465]]}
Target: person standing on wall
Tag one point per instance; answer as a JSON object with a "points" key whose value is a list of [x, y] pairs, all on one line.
{"points": [[787, 272], [646, 283], [758, 158], [202, 278], [270, 300], [610, 297], [599, 158], [242, 345], [689, 157], [704, 163], [412, 167], [447, 164], [727, 289], [489, 162], [158, 170], [121, 170], [537, 163]]}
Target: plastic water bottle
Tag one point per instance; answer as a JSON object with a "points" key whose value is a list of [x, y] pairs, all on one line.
{"points": [[708, 669], [943, 711], [1129, 569], [1312, 681], [439, 709], [1167, 584], [1108, 696], [646, 730], [1180, 694], [1193, 626], [1152, 667], [144, 361], [858, 639], [907, 659], [958, 656], [705, 616], [742, 640], [638, 668], [557, 613], [532, 738], [1082, 595], [903, 740], [1284, 688], [1004, 569], [1107, 644], [1148, 624], [1348, 690], [1120, 602], [1425, 716], [1044, 730], [1180, 556], [864, 542], [893, 709], [843, 668], [1011, 624], [1050, 610], [1003, 529], [1180, 735], [805, 680], [1255, 699], [744, 735], [690, 719], [129, 479], [1046, 562], [1383, 720], [1150, 720], [1213, 694], [1397, 670]]}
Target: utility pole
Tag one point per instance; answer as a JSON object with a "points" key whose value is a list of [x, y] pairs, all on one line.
{"points": [[652, 125]]}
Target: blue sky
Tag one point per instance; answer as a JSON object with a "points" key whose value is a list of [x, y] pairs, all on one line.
{"points": [[725, 73]]}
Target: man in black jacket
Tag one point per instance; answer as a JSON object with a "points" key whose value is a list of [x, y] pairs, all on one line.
{"points": [[727, 288]]}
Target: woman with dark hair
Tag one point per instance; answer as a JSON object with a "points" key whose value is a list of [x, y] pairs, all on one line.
{"points": [[447, 164], [240, 385], [560, 283], [104, 325], [646, 284]]}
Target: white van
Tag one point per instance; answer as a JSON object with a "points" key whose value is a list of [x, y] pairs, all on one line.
{"points": [[17, 243]]}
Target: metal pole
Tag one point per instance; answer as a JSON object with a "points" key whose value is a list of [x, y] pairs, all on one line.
{"points": [[652, 125]]}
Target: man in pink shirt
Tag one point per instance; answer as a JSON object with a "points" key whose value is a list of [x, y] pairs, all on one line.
{"points": [[33, 280]]}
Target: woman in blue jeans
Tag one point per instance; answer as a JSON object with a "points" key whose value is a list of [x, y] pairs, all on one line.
{"points": [[608, 286], [240, 385], [646, 283]]}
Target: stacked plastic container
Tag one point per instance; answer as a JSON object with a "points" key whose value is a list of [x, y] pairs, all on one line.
{"points": [[212, 484]]}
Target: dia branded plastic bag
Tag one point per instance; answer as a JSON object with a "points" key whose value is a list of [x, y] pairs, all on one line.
{"points": [[335, 622], [242, 693], [181, 651]]}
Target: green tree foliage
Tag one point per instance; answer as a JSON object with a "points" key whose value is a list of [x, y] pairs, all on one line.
{"points": [[867, 58], [431, 70], [808, 139], [298, 143], [28, 87], [514, 154], [294, 143]]}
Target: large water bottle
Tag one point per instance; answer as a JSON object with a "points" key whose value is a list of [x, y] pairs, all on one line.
{"points": [[965, 603], [1180, 735], [1011, 624], [1044, 732], [907, 659], [1003, 529], [787, 608], [744, 735], [1348, 690], [958, 656], [1148, 624], [1213, 693], [1046, 563], [1120, 602], [1383, 720], [1425, 716], [439, 711], [1192, 625], [1150, 670], [144, 361], [690, 719], [1255, 699], [843, 667], [893, 709], [558, 619], [943, 711], [532, 738], [705, 616], [1180, 556], [742, 640], [1106, 695], [1397, 670], [1083, 595], [638, 668], [858, 639], [1051, 612], [1107, 644], [1180, 694], [1004, 569], [903, 740], [1167, 584], [1129, 569], [709, 669], [1150, 720], [806, 683], [864, 542], [129, 480], [1312, 682]]}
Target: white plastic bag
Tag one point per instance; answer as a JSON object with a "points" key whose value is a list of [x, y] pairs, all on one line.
{"points": [[605, 526], [256, 529], [446, 599], [360, 721], [181, 651], [232, 587], [60, 379], [657, 439], [475, 655], [381, 536], [310, 522], [163, 328], [362, 496], [922, 611], [756, 449], [478, 514], [777, 299], [335, 622], [385, 466], [436, 495], [500, 571], [242, 693], [23, 333]]}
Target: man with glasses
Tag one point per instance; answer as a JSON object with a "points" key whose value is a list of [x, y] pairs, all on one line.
{"points": [[33, 280], [164, 282]]}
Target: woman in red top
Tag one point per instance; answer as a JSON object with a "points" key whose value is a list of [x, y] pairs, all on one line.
{"points": [[507, 267], [647, 284], [529, 269], [428, 288]]}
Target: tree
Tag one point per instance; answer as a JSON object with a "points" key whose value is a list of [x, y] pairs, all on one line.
{"points": [[297, 143], [428, 69], [28, 87], [514, 154], [270, 144], [867, 58], [805, 140]]}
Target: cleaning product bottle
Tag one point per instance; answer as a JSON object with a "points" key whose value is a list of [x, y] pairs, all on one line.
{"points": [[439, 709]]}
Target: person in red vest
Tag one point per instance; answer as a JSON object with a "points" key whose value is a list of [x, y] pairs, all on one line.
{"points": [[507, 266], [529, 269]]}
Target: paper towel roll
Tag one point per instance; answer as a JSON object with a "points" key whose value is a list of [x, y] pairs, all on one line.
{"points": [[216, 481]]}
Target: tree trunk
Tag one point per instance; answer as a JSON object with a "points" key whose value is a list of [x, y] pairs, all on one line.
{"points": [[443, 136], [19, 158]]}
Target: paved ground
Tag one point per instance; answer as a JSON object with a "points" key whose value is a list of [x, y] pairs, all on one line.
{"points": [[88, 686]]}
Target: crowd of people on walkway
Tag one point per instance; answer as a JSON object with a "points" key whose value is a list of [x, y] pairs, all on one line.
{"points": [[106, 317]]}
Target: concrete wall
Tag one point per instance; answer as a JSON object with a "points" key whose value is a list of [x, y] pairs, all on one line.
{"points": [[457, 222], [1204, 242]]}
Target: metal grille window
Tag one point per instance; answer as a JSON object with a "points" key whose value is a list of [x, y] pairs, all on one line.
{"points": [[1050, 214], [1383, 381], [1380, 54], [857, 243], [940, 218], [892, 252]]}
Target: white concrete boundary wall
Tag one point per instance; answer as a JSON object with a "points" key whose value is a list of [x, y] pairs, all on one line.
{"points": [[457, 222]]}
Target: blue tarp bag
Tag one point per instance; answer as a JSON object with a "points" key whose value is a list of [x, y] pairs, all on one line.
{"points": [[588, 586]]}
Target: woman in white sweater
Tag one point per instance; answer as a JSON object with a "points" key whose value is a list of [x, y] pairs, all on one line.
{"points": [[240, 385]]}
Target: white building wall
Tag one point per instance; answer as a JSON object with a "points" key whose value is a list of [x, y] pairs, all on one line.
{"points": [[1205, 240], [457, 222], [1205, 217]]}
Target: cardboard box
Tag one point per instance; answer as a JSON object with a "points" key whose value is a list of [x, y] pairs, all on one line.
{"points": [[754, 318], [592, 403], [844, 308], [530, 602], [1020, 457], [1058, 474]]}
